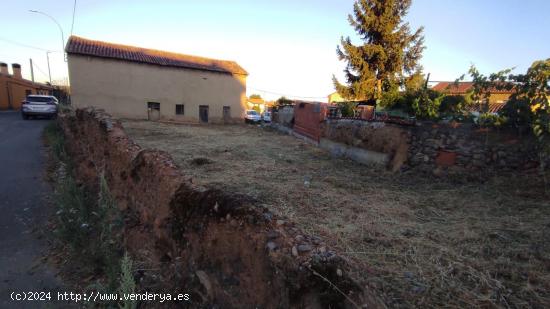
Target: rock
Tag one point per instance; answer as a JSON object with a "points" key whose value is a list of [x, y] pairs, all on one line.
{"points": [[304, 248], [322, 249], [294, 251], [271, 246], [339, 272], [273, 235], [280, 222], [299, 238], [268, 216], [205, 281]]}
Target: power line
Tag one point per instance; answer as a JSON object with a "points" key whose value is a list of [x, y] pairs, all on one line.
{"points": [[39, 69], [26, 45], [285, 95]]}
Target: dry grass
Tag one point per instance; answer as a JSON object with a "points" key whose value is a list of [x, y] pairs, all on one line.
{"points": [[419, 241]]}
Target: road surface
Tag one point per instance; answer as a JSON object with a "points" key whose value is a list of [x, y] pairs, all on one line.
{"points": [[23, 212]]}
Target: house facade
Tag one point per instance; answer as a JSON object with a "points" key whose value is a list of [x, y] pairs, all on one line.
{"points": [[14, 88], [138, 83]]}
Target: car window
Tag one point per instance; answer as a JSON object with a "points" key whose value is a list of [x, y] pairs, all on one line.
{"points": [[252, 113], [39, 100]]}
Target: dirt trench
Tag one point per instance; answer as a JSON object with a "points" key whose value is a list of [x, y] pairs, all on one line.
{"points": [[220, 247]]}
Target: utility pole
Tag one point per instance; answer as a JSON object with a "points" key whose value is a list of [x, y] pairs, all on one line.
{"points": [[32, 70], [49, 72]]}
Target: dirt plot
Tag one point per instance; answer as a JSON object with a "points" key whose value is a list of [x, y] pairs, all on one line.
{"points": [[417, 240]]}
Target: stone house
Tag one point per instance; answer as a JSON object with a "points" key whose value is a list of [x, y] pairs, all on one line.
{"points": [[139, 83]]}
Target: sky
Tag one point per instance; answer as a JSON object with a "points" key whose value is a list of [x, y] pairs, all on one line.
{"points": [[287, 46]]}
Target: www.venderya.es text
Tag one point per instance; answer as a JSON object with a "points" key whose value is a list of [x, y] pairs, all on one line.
{"points": [[97, 297]]}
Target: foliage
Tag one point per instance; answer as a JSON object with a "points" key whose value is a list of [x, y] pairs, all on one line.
{"points": [[491, 120], [483, 85], [255, 96], [127, 283], [517, 111], [88, 223], [347, 108], [426, 104], [389, 52], [535, 89], [283, 101], [455, 104]]}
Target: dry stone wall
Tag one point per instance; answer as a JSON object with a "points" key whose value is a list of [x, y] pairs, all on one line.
{"points": [[457, 148]]}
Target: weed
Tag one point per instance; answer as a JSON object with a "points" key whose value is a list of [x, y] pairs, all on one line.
{"points": [[127, 283], [88, 223]]}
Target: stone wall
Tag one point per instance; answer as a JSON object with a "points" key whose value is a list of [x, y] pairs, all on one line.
{"points": [[221, 247], [459, 148], [466, 147]]}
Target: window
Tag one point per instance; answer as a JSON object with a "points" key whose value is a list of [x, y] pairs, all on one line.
{"points": [[180, 109]]}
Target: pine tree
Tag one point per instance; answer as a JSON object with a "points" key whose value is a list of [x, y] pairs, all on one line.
{"points": [[389, 55]]}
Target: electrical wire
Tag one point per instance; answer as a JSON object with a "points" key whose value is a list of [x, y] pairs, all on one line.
{"points": [[27, 45], [285, 95]]}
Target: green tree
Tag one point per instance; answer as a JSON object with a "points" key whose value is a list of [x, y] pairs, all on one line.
{"points": [[390, 52], [534, 88]]}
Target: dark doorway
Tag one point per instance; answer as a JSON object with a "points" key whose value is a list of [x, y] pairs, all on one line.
{"points": [[203, 113], [227, 114], [153, 111]]}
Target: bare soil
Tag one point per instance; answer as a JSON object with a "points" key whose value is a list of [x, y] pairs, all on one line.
{"points": [[417, 240]]}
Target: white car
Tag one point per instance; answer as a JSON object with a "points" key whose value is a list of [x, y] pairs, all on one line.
{"points": [[252, 116], [266, 116]]}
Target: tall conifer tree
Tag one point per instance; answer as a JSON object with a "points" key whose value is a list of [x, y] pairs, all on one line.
{"points": [[389, 54]]}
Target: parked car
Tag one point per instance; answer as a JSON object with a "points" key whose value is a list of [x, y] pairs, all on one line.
{"points": [[252, 116], [266, 116], [39, 105]]}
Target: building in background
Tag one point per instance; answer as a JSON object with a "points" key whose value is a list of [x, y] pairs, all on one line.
{"points": [[14, 88], [139, 83], [335, 97]]}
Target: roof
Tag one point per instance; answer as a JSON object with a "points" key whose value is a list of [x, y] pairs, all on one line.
{"points": [[82, 46], [462, 88]]}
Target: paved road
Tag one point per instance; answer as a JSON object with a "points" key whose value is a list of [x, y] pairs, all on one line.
{"points": [[23, 212]]}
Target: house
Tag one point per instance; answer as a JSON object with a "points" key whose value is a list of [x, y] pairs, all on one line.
{"points": [[14, 88], [139, 83], [497, 97]]}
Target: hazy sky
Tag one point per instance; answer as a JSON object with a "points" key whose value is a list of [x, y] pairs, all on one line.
{"points": [[287, 46]]}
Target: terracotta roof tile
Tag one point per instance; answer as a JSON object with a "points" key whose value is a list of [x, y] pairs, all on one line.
{"points": [[82, 46]]}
